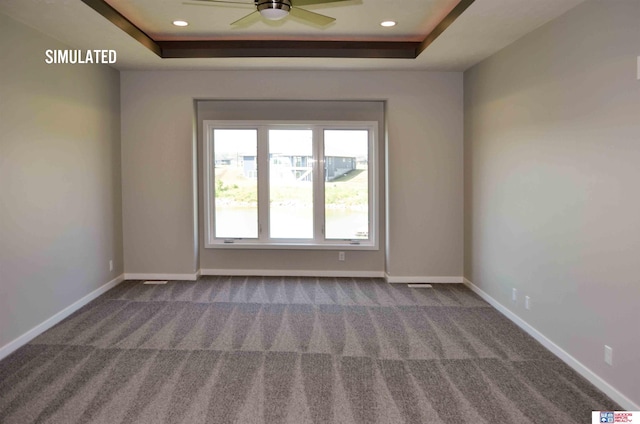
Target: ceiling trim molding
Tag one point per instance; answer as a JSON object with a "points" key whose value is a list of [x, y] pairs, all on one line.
{"points": [[124, 24], [288, 48], [278, 48], [444, 24]]}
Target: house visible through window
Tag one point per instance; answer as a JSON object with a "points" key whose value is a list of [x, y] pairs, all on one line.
{"points": [[274, 184]]}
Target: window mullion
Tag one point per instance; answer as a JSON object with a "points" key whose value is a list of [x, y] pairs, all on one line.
{"points": [[318, 185], [263, 184]]}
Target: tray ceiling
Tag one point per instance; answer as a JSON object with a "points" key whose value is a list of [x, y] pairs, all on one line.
{"points": [[356, 32]]}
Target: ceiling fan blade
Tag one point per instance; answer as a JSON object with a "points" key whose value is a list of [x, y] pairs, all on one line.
{"points": [[310, 2], [249, 19], [312, 17], [213, 2]]}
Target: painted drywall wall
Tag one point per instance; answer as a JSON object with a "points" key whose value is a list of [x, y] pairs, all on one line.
{"points": [[552, 133], [424, 166], [60, 201]]}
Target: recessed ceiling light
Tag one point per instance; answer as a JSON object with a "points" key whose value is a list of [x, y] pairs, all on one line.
{"points": [[180, 23], [388, 23]]}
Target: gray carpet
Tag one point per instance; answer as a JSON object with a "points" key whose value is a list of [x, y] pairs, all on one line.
{"points": [[290, 350]]}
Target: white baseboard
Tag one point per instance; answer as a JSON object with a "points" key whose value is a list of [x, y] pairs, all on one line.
{"points": [[408, 280], [580, 368], [143, 276], [292, 273], [22, 340]]}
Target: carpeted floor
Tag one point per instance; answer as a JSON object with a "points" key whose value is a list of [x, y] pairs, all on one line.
{"points": [[290, 350]]}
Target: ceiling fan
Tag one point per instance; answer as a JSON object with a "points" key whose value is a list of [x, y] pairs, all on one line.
{"points": [[274, 10]]}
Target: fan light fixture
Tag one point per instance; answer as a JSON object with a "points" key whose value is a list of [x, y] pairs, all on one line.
{"points": [[180, 23], [274, 10], [388, 24]]}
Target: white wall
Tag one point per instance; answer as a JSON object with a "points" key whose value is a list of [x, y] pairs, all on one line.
{"points": [[425, 186], [552, 153], [60, 201]]}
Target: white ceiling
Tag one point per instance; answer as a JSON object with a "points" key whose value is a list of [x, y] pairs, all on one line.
{"points": [[484, 28]]}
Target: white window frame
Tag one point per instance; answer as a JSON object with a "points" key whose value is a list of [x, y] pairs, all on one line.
{"points": [[319, 242]]}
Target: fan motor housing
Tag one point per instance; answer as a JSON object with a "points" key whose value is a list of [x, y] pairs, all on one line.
{"points": [[273, 4]]}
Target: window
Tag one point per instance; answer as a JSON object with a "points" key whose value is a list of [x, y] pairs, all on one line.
{"points": [[290, 185]]}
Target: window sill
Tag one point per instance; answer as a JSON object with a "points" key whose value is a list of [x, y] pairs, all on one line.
{"points": [[291, 246]]}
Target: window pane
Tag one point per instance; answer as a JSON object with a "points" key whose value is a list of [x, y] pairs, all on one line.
{"points": [[291, 184], [236, 183], [346, 187]]}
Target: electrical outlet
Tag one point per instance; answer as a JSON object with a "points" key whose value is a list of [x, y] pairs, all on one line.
{"points": [[341, 256], [608, 355], [514, 295], [111, 265], [527, 302]]}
